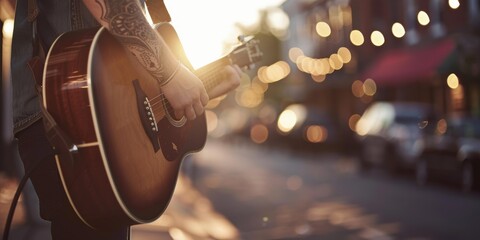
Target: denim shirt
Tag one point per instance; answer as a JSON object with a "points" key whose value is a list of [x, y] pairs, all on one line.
{"points": [[56, 17]]}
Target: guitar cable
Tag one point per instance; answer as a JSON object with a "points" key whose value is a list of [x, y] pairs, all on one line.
{"points": [[18, 192]]}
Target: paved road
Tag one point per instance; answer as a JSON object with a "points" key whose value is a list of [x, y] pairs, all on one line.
{"points": [[236, 190], [269, 193]]}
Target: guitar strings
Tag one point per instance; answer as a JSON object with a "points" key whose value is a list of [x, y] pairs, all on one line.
{"points": [[208, 84], [157, 102]]}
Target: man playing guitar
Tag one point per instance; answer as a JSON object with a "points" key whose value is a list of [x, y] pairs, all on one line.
{"points": [[127, 22]]}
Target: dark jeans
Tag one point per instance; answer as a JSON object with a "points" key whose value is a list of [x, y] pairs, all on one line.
{"points": [[54, 205]]}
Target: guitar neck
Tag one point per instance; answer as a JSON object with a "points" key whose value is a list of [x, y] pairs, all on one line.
{"points": [[209, 73]]}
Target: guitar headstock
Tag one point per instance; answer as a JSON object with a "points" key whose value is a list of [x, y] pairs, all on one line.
{"points": [[247, 53]]}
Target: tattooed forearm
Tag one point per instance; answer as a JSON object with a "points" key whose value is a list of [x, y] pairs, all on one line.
{"points": [[126, 21]]}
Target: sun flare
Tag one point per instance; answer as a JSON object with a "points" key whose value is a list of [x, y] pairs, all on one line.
{"points": [[207, 29]]}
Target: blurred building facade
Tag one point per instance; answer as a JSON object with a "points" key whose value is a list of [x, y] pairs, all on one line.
{"points": [[390, 50]]}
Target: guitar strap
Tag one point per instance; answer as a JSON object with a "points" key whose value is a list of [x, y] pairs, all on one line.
{"points": [[158, 11]]}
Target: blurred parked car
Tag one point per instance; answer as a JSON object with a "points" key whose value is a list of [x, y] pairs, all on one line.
{"points": [[307, 127], [451, 152], [389, 133]]}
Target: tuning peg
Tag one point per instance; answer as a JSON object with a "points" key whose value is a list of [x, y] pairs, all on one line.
{"points": [[245, 39], [241, 38]]}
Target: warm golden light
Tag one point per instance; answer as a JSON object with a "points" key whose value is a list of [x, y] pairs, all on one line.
{"points": [[316, 134], [259, 133], [306, 64], [369, 87], [423, 18], [292, 116], [345, 54], [352, 121], [278, 21], [322, 67], [8, 28], [374, 118], [356, 37], [274, 72], [377, 38], [454, 4], [317, 67], [278, 71], [357, 88], [398, 30], [452, 81], [335, 61], [259, 87], [323, 29], [294, 54], [318, 78], [287, 121], [219, 33]]}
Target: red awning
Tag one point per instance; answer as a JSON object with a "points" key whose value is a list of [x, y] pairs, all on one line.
{"points": [[409, 65]]}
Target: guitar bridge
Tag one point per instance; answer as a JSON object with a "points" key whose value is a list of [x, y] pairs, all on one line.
{"points": [[147, 117]]}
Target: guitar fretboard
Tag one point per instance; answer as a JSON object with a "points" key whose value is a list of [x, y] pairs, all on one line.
{"points": [[209, 74]]}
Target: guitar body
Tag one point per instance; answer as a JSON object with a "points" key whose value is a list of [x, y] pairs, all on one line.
{"points": [[124, 173]]}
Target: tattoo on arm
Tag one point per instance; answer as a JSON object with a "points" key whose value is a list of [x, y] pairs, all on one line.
{"points": [[126, 21]]}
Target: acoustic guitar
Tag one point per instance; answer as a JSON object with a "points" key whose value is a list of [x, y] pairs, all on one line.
{"points": [[127, 146]]}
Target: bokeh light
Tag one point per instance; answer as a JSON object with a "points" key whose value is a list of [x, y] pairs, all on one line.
{"points": [[335, 61], [259, 133], [323, 29], [377, 38], [274, 72], [369, 87], [295, 53], [452, 81], [356, 37], [319, 78], [7, 29], [357, 88], [352, 121], [344, 54], [454, 4], [398, 30], [316, 134], [441, 126], [287, 121], [291, 117], [278, 22], [423, 18]]}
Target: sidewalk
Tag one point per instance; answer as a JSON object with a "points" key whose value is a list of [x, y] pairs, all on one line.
{"points": [[189, 216]]}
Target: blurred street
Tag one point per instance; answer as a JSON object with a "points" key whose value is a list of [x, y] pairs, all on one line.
{"points": [[237, 190], [278, 194]]}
